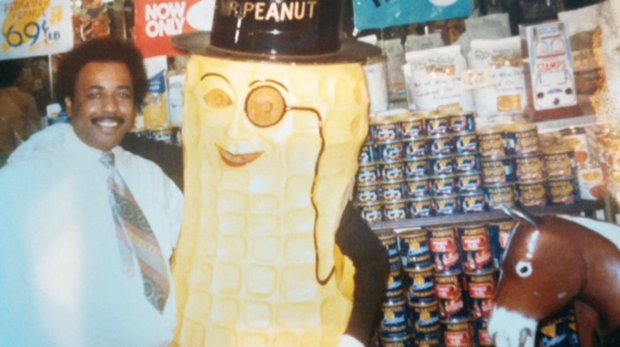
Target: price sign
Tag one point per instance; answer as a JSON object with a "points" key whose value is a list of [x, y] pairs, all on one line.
{"points": [[31, 28]]}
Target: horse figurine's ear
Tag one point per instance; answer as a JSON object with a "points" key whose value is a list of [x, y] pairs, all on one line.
{"points": [[517, 214]]}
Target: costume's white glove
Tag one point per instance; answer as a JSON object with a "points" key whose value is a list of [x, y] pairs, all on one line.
{"points": [[349, 341]]}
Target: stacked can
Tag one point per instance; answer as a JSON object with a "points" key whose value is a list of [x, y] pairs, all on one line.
{"points": [[391, 158], [380, 171], [560, 168], [499, 235], [416, 165], [447, 284], [479, 277], [420, 284], [420, 164], [454, 163], [446, 292], [523, 145], [394, 327], [496, 167]]}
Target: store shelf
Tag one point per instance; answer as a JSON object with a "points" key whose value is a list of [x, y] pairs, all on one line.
{"points": [[586, 206], [558, 124]]}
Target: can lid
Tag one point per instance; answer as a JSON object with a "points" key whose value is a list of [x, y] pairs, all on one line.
{"points": [[481, 272], [450, 273], [463, 113], [368, 204], [472, 193], [468, 153], [498, 184], [397, 181], [389, 203], [494, 158], [445, 197], [388, 116], [396, 162], [440, 156], [472, 226], [417, 179], [415, 139], [520, 127], [440, 228], [388, 142], [490, 130], [530, 182], [416, 159], [557, 179], [437, 114], [418, 114], [439, 136], [424, 304], [443, 177], [464, 133], [367, 185], [469, 173], [420, 198], [455, 321], [527, 156]]}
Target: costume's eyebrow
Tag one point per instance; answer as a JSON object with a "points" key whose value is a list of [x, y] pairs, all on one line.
{"points": [[209, 74], [269, 81]]}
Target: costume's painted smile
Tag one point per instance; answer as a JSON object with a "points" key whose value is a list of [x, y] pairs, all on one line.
{"points": [[237, 160]]}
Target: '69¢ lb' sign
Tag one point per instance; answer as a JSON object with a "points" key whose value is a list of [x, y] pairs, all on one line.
{"points": [[34, 27]]}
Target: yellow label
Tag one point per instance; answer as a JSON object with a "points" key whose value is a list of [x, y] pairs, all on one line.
{"points": [[508, 103]]}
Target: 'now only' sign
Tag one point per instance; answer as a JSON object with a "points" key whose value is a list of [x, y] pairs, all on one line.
{"points": [[156, 21]]}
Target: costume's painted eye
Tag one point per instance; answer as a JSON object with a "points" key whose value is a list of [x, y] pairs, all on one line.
{"points": [[524, 269], [265, 106], [217, 98]]}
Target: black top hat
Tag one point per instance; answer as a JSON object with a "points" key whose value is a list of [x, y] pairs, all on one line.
{"points": [[277, 30]]}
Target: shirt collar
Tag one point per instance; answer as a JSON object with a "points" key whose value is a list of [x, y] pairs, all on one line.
{"points": [[82, 150]]}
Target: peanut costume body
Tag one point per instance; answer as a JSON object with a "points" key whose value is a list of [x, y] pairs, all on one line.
{"points": [[263, 202]]}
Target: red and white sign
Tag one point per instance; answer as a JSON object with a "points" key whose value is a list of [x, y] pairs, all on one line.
{"points": [[156, 21]]}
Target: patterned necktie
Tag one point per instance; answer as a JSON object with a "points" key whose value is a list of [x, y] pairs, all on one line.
{"points": [[136, 236]]}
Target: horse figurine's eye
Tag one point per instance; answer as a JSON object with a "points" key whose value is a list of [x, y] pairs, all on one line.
{"points": [[524, 269]]}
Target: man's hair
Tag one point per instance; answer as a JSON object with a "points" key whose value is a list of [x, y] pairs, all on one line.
{"points": [[100, 50], [9, 71]]}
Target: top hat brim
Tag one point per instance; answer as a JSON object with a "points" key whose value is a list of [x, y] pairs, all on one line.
{"points": [[350, 51]]}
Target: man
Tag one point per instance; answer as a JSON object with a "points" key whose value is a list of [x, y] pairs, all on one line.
{"points": [[83, 262]]}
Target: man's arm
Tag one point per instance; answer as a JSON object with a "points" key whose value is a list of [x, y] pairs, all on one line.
{"points": [[370, 259]]}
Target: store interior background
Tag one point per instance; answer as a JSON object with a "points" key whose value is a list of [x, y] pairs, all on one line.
{"points": [[161, 118], [116, 18], [159, 126]]}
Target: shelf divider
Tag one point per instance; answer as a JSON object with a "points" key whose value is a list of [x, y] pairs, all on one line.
{"points": [[587, 206]]}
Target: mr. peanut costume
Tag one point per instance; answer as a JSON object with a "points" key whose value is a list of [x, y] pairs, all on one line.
{"points": [[275, 112]]}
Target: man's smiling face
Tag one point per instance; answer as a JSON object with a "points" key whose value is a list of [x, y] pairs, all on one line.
{"points": [[102, 110]]}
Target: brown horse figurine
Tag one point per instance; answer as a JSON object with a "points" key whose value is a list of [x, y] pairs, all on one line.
{"points": [[550, 262]]}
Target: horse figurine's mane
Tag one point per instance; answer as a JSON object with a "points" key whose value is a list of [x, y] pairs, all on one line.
{"points": [[552, 261]]}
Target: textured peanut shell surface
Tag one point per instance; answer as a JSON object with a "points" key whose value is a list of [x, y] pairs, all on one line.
{"points": [[263, 201]]}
